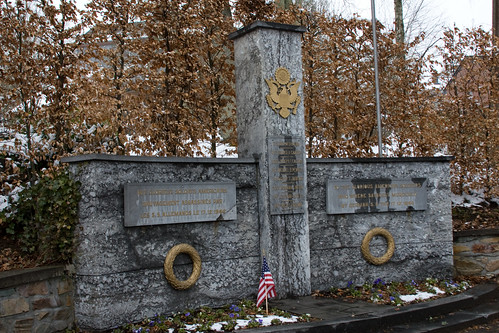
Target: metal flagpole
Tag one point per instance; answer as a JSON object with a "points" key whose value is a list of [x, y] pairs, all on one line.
{"points": [[376, 78]]}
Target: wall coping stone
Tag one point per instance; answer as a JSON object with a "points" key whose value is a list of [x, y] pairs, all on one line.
{"points": [[266, 25], [437, 159], [12, 278], [231, 160], [477, 232], [153, 159]]}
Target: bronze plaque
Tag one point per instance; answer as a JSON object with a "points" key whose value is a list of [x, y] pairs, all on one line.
{"points": [[167, 203], [350, 196], [286, 175]]}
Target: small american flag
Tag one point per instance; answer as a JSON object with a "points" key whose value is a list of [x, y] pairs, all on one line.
{"points": [[266, 287]]}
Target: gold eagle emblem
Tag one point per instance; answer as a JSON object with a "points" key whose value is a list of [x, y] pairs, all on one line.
{"points": [[283, 96]]}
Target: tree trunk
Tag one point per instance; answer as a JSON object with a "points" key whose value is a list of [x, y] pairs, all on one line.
{"points": [[399, 22], [495, 17]]}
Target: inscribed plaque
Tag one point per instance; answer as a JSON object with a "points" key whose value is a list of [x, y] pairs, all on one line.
{"points": [[350, 196], [168, 203], [286, 175]]}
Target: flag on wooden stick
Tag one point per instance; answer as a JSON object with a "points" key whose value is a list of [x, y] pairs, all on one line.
{"points": [[266, 289]]}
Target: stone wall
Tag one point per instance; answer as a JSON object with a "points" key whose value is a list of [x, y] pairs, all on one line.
{"points": [[119, 270], [36, 300], [423, 239], [476, 252]]}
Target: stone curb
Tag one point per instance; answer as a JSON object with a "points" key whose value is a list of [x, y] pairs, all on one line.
{"points": [[476, 232], [388, 318], [453, 322], [9, 279]]}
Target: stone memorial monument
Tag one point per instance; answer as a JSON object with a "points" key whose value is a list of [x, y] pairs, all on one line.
{"points": [[271, 128], [160, 235]]}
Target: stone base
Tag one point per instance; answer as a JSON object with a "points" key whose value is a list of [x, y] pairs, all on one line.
{"points": [[36, 300], [476, 253]]}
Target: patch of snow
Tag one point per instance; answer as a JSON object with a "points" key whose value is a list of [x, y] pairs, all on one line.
{"points": [[7, 200], [223, 150], [420, 295], [440, 154], [4, 202], [457, 200], [242, 323], [203, 149], [473, 199], [91, 130]]}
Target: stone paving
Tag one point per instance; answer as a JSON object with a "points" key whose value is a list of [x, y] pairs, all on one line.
{"points": [[474, 306]]}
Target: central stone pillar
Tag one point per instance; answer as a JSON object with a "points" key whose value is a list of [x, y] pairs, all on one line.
{"points": [[271, 128]]}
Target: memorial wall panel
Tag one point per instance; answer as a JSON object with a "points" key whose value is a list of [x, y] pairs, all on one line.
{"points": [[167, 203], [349, 196]]}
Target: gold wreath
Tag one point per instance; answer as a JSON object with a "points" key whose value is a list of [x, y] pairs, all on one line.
{"points": [[196, 266], [366, 252]]}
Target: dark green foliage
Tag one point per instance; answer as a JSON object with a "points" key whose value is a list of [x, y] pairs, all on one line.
{"points": [[44, 217]]}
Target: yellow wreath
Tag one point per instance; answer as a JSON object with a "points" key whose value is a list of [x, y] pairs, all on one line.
{"points": [[366, 252], [196, 266]]}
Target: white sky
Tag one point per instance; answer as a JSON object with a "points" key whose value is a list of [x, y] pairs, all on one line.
{"points": [[462, 13]]}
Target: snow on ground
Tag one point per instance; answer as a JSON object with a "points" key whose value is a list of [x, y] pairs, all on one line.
{"points": [[263, 320], [420, 295], [4, 202], [474, 199], [242, 323], [267, 320], [223, 150]]}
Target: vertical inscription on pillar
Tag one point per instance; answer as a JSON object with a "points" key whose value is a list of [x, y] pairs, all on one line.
{"points": [[286, 175]]}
